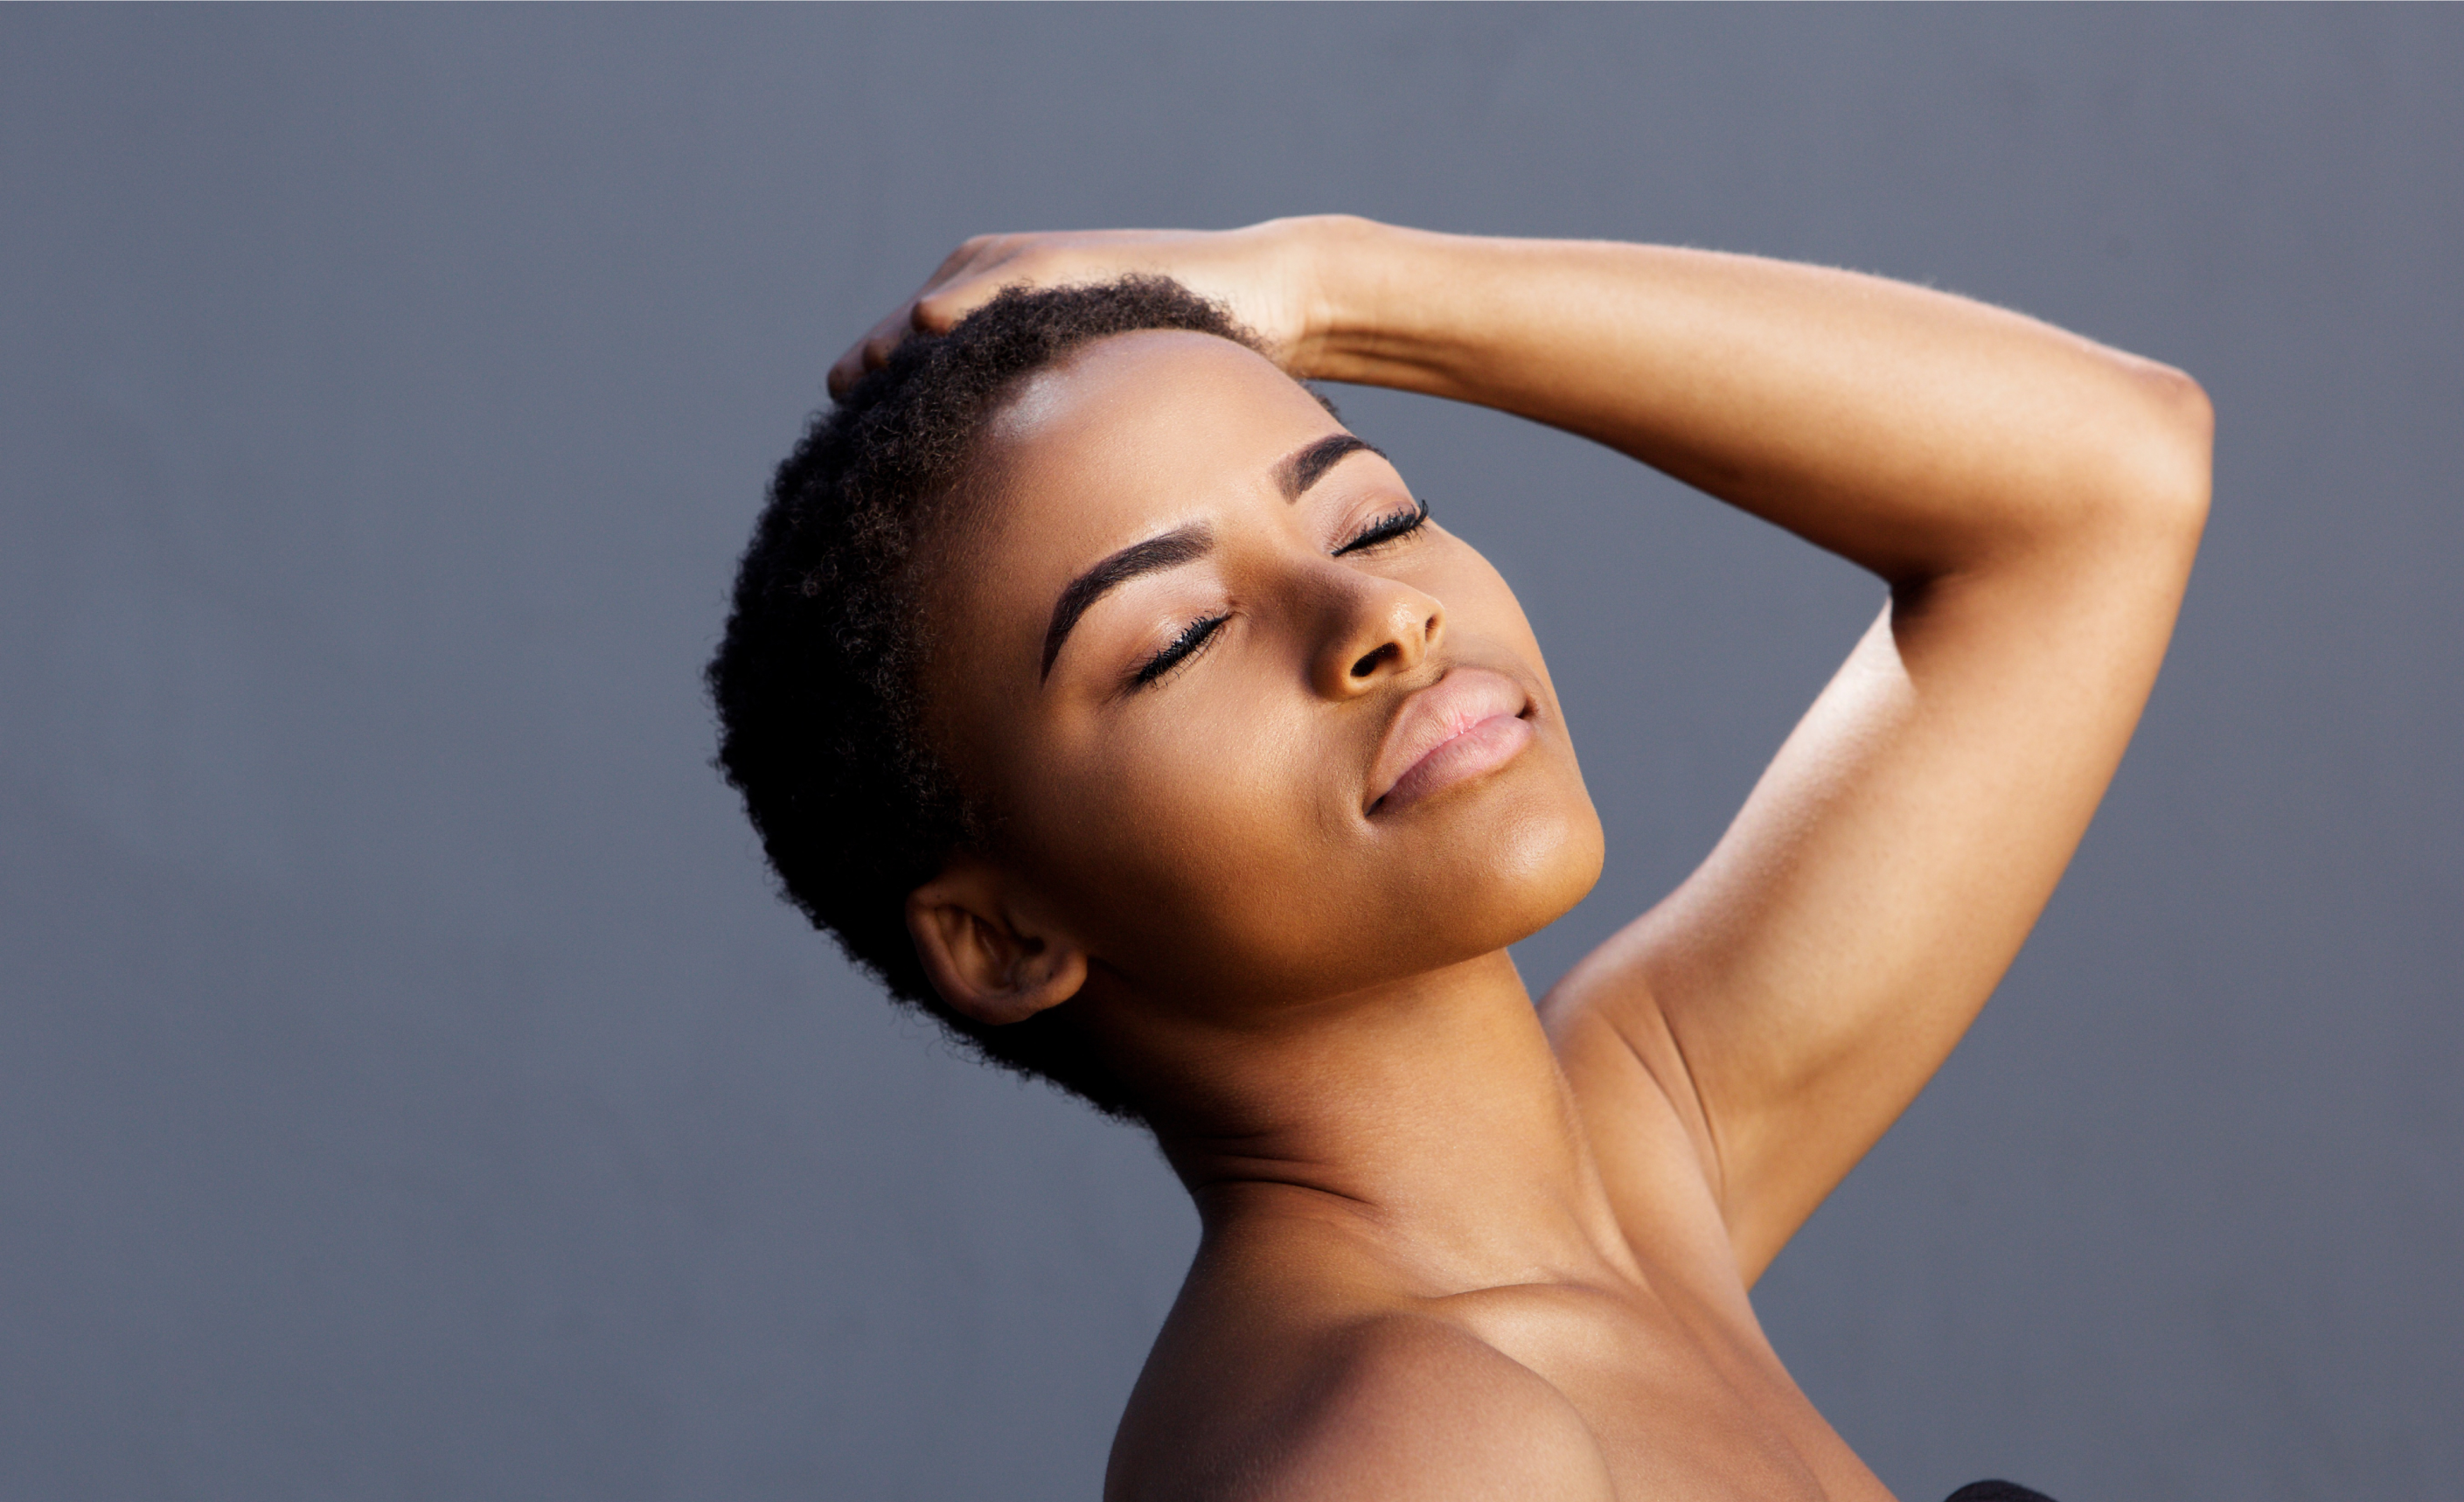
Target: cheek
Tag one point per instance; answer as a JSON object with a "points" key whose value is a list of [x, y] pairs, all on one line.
{"points": [[1202, 836], [1480, 602]]}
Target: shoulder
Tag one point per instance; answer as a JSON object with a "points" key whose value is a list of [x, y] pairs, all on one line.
{"points": [[1412, 1407], [1409, 1407]]}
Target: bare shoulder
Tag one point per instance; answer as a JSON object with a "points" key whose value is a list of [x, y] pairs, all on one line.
{"points": [[1413, 1408], [1396, 1406]]}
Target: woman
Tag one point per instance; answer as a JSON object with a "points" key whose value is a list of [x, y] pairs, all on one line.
{"points": [[1100, 690]]}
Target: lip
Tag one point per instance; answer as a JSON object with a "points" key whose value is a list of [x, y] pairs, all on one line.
{"points": [[1464, 726]]}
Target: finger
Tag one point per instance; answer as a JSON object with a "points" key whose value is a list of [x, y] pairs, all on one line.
{"points": [[970, 251], [968, 279], [961, 268], [938, 310], [868, 353], [978, 272], [846, 370]]}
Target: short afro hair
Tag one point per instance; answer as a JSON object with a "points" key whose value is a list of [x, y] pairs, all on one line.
{"points": [[817, 680]]}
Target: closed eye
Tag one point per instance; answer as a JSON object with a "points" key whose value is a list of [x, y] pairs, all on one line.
{"points": [[1387, 529], [1183, 647]]}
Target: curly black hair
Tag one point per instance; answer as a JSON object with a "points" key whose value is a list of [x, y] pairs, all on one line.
{"points": [[817, 680]]}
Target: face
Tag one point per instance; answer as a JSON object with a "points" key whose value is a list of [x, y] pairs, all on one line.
{"points": [[1247, 728]]}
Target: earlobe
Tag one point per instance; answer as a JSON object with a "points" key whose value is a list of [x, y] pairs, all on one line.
{"points": [[982, 961]]}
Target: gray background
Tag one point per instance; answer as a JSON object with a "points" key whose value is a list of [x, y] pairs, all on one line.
{"points": [[408, 1087]]}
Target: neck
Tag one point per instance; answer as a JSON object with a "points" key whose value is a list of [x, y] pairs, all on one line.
{"points": [[1428, 1115]]}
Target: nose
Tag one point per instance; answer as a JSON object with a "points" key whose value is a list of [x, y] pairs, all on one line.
{"points": [[1374, 628]]}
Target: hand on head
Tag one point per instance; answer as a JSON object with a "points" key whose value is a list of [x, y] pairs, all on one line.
{"points": [[1264, 274]]}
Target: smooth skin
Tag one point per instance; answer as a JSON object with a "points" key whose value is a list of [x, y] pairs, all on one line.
{"points": [[1456, 1247]]}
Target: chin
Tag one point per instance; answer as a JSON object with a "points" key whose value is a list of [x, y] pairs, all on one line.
{"points": [[1506, 878], [1544, 866]]}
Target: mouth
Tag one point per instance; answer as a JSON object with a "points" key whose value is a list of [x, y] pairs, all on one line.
{"points": [[1459, 729]]}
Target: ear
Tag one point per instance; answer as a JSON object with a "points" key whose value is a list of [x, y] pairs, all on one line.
{"points": [[987, 959]]}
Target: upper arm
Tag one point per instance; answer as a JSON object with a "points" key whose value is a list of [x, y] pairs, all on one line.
{"points": [[1818, 967]]}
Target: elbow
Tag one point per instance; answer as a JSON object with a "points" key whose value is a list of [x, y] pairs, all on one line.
{"points": [[2118, 487], [2170, 459]]}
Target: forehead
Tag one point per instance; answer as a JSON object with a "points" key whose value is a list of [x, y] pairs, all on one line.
{"points": [[1149, 417], [1133, 437]]}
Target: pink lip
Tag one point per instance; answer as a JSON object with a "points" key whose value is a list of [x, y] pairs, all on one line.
{"points": [[1466, 723]]}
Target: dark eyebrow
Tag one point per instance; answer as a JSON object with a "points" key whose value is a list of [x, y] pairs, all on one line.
{"points": [[1167, 551], [1302, 470]]}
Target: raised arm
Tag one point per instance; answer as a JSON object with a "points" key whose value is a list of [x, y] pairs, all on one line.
{"points": [[2032, 501]]}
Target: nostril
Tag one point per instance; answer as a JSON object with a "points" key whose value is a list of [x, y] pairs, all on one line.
{"points": [[1369, 664]]}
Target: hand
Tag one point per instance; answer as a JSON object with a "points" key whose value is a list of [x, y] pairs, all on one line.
{"points": [[1266, 274]]}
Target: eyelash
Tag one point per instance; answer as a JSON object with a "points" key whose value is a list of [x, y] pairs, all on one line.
{"points": [[1194, 637], [1184, 647], [1388, 528]]}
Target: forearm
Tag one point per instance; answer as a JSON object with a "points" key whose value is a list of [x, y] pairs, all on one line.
{"points": [[1915, 433]]}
